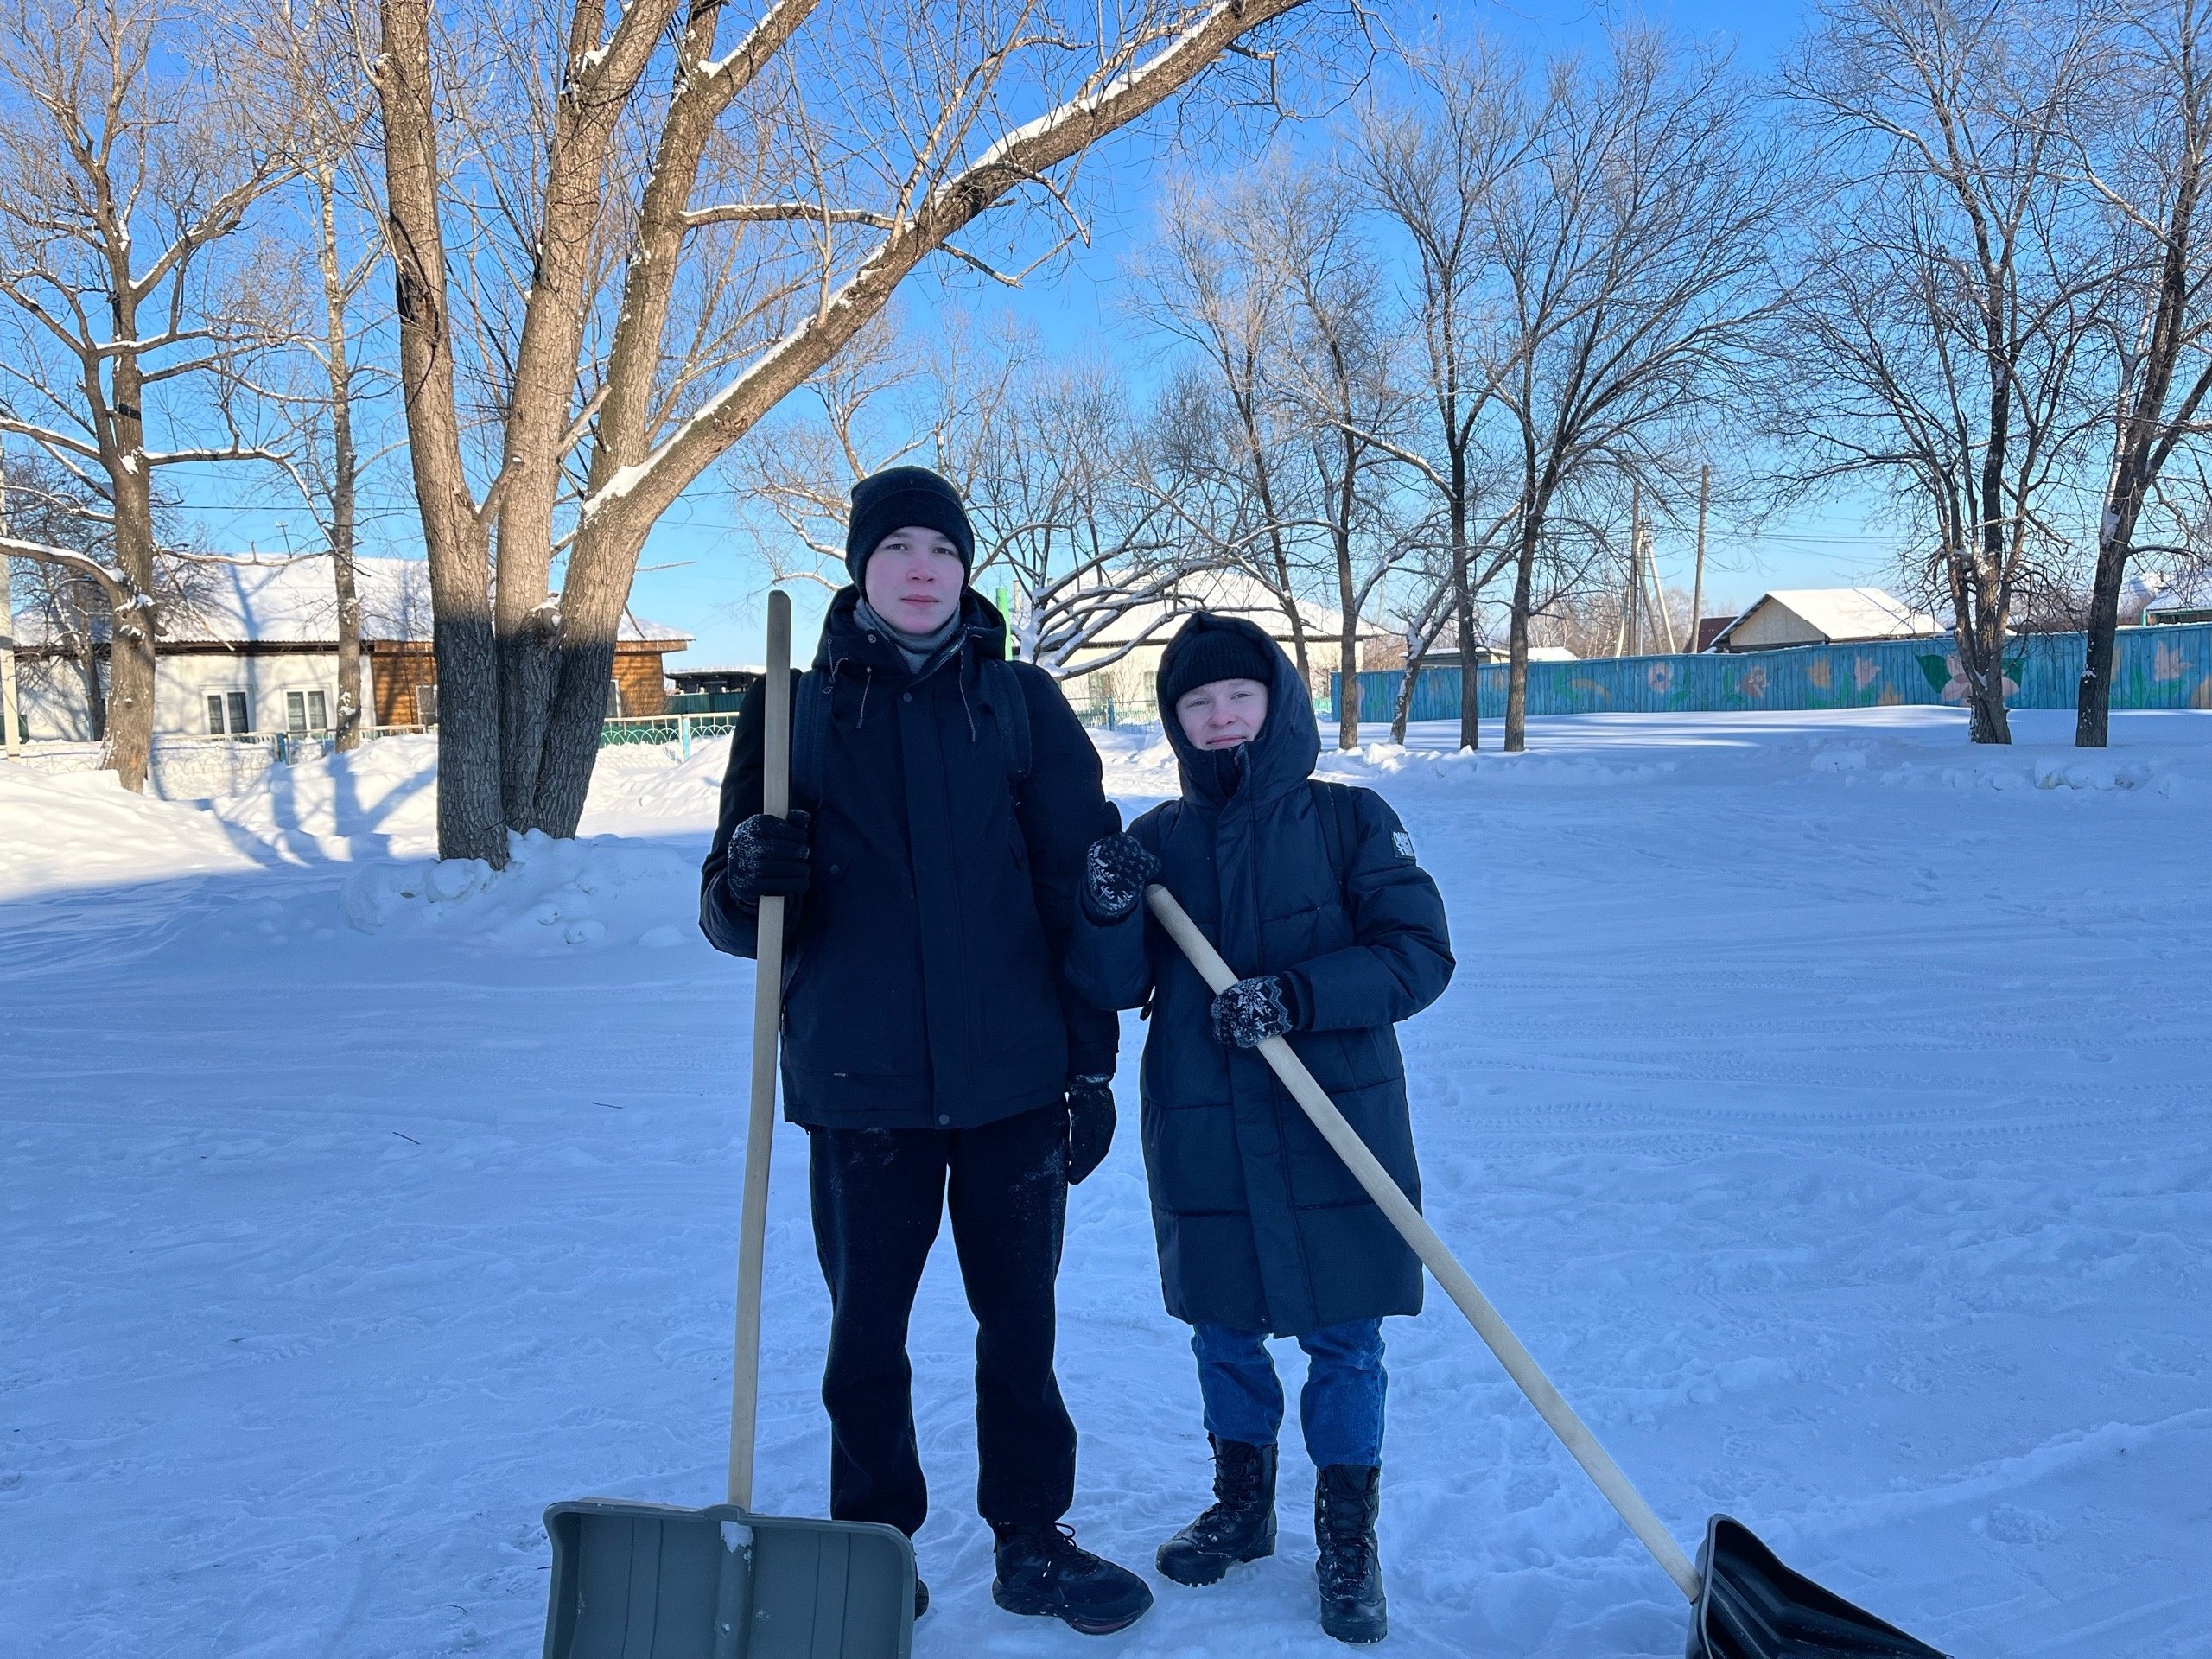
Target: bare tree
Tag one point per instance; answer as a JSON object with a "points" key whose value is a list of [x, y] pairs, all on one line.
{"points": [[308, 69], [1952, 294], [1079, 499], [1630, 257], [2147, 158], [1333, 365], [1430, 166], [1211, 282], [854, 149], [1074, 494], [129, 156]]}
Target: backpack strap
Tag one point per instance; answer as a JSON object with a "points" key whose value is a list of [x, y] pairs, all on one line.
{"points": [[809, 738], [1002, 692], [1339, 824]]}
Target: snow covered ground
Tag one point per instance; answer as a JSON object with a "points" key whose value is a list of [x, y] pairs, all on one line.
{"points": [[1826, 1103]]}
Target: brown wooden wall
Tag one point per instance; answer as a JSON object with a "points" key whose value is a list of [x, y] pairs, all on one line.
{"points": [[398, 670], [645, 687]]}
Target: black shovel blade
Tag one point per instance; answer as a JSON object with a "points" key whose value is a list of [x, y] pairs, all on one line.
{"points": [[646, 1581], [1756, 1608]]}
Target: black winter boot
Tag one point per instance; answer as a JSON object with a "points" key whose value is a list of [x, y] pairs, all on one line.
{"points": [[1346, 1500], [1041, 1570], [1241, 1525]]}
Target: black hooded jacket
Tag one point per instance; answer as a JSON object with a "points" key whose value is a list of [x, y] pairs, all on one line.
{"points": [[922, 981], [1260, 1225]]}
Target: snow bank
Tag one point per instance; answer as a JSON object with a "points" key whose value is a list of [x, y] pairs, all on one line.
{"points": [[84, 829], [553, 895]]}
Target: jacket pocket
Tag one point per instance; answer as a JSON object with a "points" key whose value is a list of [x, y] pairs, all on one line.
{"points": [[1191, 1158]]}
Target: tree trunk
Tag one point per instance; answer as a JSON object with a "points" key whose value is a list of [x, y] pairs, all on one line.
{"points": [[470, 822], [87, 657], [344, 471], [1463, 598], [1347, 648], [1517, 670], [2093, 698], [129, 713], [1403, 712]]}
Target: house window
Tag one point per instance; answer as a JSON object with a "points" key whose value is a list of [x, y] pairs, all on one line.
{"points": [[226, 714], [426, 705], [614, 699], [305, 712]]}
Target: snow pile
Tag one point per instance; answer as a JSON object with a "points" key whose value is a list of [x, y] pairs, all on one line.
{"points": [[84, 829], [552, 894], [381, 800]]}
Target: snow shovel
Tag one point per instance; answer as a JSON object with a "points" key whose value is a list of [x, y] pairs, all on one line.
{"points": [[645, 1581], [1744, 1604]]}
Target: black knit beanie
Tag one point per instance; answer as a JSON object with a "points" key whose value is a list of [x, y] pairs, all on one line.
{"points": [[1206, 652], [897, 497]]}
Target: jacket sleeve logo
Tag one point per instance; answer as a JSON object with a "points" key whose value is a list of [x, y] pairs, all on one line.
{"points": [[1403, 842]]}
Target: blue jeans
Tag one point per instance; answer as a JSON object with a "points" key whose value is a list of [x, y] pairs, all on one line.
{"points": [[1340, 1409]]}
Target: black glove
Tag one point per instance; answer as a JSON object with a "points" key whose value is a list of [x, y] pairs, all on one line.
{"points": [[1253, 1010], [1091, 1125], [1114, 874], [768, 858]]}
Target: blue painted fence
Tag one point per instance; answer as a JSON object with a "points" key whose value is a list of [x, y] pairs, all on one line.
{"points": [[2168, 667]]}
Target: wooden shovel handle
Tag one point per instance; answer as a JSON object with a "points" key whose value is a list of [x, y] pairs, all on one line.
{"points": [[1366, 1169], [768, 1010]]}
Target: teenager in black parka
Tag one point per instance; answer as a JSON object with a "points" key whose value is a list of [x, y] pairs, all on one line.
{"points": [[932, 1047], [1313, 893]]}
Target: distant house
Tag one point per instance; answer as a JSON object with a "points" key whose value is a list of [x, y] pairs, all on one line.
{"points": [[1232, 593], [1820, 616], [1487, 656], [256, 650]]}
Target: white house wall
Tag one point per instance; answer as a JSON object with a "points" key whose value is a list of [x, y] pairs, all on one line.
{"points": [[50, 695], [183, 683], [53, 692], [1771, 625]]}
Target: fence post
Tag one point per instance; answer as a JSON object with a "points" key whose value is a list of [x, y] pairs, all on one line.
{"points": [[683, 733]]}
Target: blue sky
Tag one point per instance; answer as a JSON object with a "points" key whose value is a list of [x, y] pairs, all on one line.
{"points": [[717, 594], [700, 573]]}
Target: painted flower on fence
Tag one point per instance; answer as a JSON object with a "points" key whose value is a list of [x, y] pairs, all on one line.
{"points": [[1660, 676], [1819, 673], [1753, 684], [2168, 663], [1865, 671], [1949, 678]]}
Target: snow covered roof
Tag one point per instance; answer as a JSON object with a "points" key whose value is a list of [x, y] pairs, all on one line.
{"points": [[1224, 592], [1836, 615], [294, 602]]}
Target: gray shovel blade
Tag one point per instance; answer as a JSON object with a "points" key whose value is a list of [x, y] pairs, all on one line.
{"points": [[646, 1581], [1756, 1608]]}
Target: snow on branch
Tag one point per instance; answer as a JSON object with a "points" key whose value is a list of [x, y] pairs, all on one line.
{"points": [[110, 578], [1119, 94]]}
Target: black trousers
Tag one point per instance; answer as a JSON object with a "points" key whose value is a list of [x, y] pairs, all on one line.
{"points": [[877, 1196]]}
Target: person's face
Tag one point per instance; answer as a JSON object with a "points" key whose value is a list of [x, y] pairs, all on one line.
{"points": [[1221, 714], [913, 580]]}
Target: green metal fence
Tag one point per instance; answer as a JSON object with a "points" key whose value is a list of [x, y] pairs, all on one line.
{"points": [[2166, 667], [682, 730]]}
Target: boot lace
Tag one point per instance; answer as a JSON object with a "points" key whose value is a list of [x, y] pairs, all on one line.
{"points": [[1348, 1546], [1237, 1482]]}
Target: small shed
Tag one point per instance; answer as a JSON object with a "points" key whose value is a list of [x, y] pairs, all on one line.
{"points": [[1822, 616]]}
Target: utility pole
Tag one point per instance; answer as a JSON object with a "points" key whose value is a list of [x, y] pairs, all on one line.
{"points": [[12, 709], [1658, 595], [1624, 639], [1697, 584]]}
